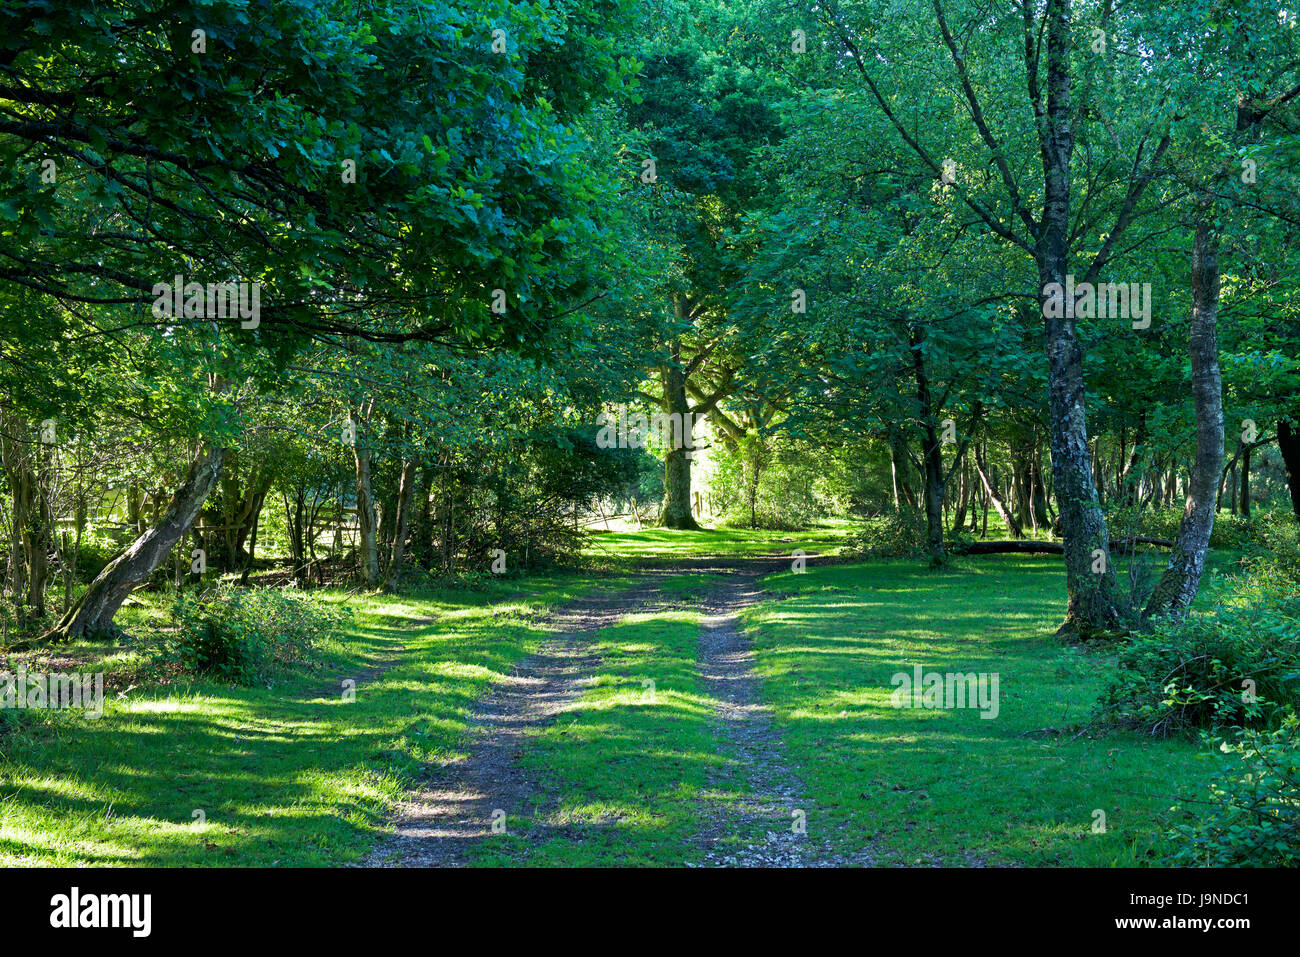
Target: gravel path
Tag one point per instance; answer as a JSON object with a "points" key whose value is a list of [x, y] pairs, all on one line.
{"points": [[756, 813], [457, 804]]}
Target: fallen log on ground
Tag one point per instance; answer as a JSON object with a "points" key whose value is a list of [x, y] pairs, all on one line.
{"points": [[1026, 546]]}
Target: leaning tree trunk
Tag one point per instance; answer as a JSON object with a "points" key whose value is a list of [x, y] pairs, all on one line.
{"points": [[1177, 586], [676, 511], [93, 612], [992, 497]]}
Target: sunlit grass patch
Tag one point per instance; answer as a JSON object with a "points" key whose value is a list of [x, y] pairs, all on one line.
{"points": [[198, 773], [620, 771], [662, 543], [945, 785]]}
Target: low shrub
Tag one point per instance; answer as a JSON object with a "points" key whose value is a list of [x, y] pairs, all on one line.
{"points": [[1276, 547], [8, 722], [1230, 532], [1253, 814], [1238, 664], [900, 534], [246, 635]]}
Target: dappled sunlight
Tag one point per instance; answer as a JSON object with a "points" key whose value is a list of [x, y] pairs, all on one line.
{"points": [[828, 648], [635, 746], [167, 706], [293, 773], [299, 772], [455, 669]]}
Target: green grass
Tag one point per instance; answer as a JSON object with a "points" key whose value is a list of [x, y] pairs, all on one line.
{"points": [[948, 786], [622, 772], [660, 543], [290, 774]]}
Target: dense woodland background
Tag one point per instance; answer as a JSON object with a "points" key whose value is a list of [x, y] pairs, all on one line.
{"points": [[825, 229]]}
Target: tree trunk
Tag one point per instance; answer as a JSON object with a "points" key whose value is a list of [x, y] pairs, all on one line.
{"points": [[1126, 490], [401, 520], [252, 546], [931, 454], [991, 493], [1038, 490], [903, 495], [422, 519], [677, 492], [1091, 604], [295, 518], [22, 490], [1230, 468], [93, 612], [38, 536], [367, 545], [1245, 480], [934, 494], [1288, 441], [1177, 586], [676, 511], [1022, 484], [963, 498]]}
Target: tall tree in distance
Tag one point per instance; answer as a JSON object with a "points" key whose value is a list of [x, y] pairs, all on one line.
{"points": [[702, 119]]}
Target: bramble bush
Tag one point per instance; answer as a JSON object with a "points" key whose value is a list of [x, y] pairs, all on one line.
{"points": [[1235, 665], [1230, 532], [894, 535], [246, 635], [1253, 817], [900, 535]]}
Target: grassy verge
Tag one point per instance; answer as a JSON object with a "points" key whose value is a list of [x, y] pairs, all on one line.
{"points": [[650, 544], [948, 786], [192, 773]]}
